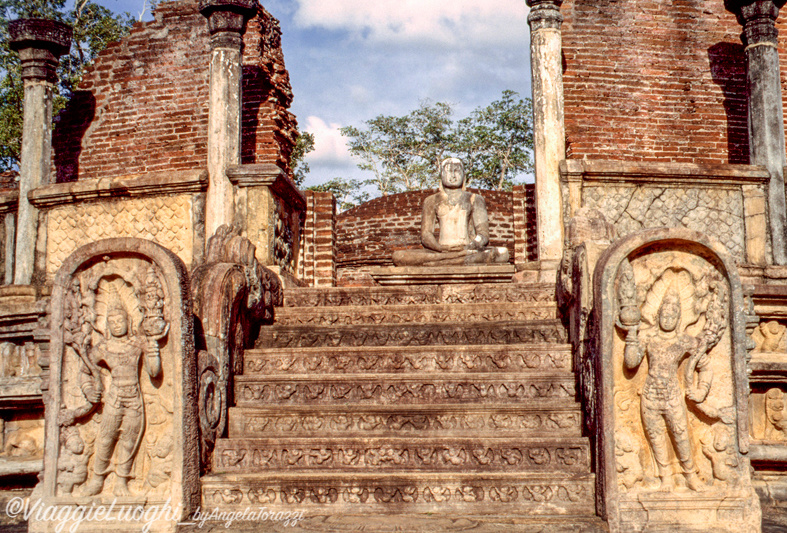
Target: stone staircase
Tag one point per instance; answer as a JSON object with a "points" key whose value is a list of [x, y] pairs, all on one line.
{"points": [[447, 399]]}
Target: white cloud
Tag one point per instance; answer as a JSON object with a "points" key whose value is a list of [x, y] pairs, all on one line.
{"points": [[330, 147], [452, 23]]}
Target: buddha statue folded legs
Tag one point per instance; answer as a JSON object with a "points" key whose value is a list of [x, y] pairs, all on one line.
{"points": [[464, 226]]}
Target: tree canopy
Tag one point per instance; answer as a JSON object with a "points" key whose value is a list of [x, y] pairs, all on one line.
{"points": [[94, 28], [404, 152]]}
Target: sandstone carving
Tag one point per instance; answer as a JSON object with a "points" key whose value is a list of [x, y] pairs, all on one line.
{"points": [[775, 414], [464, 226], [232, 294], [769, 337], [671, 413], [121, 379]]}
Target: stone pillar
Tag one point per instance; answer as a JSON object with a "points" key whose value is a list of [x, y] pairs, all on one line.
{"points": [[226, 23], [548, 130], [766, 118], [40, 44]]}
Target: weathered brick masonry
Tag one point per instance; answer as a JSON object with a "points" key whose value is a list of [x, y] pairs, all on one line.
{"points": [[662, 80], [130, 117], [317, 266]]}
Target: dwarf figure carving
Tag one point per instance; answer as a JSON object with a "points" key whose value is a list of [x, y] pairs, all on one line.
{"points": [[72, 466]]}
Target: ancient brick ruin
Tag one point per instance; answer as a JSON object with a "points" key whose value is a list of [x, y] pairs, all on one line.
{"points": [[179, 321]]}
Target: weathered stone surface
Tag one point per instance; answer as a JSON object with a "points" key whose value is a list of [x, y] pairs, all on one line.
{"points": [[232, 293], [390, 389], [671, 387], [422, 294], [543, 331], [168, 221], [554, 417], [437, 359], [121, 415], [507, 493], [766, 114], [403, 275], [548, 128], [722, 201], [414, 314], [40, 43], [402, 454]]}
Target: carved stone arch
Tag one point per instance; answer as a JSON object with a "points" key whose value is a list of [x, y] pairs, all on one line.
{"points": [[645, 387], [159, 388]]}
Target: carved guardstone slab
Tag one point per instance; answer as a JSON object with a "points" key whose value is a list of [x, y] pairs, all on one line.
{"points": [[671, 387], [121, 421]]}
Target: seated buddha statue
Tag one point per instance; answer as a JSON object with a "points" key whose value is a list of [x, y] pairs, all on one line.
{"points": [[464, 226]]}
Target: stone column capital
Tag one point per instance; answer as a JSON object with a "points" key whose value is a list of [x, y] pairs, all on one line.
{"points": [[544, 14], [758, 18], [227, 20], [40, 43]]}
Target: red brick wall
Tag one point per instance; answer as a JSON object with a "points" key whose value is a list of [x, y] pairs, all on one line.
{"points": [[655, 80], [367, 235], [317, 265], [143, 104]]}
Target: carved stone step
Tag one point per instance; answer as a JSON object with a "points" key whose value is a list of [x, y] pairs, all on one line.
{"points": [[553, 418], [442, 359], [540, 331], [397, 454], [399, 389], [448, 493], [421, 294], [414, 314]]}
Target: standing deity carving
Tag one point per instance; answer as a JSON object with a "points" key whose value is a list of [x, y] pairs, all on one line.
{"points": [[121, 420], [671, 398], [111, 349], [666, 344]]}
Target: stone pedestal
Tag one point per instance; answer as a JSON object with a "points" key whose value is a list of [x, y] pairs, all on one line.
{"points": [[270, 212], [548, 129], [40, 43], [226, 23]]}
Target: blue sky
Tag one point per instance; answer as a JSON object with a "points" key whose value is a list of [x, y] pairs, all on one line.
{"points": [[351, 60]]}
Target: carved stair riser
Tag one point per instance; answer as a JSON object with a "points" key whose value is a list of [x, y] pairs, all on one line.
{"points": [[423, 294], [547, 331], [550, 418], [520, 494], [398, 390], [479, 358], [414, 314], [390, 454]]}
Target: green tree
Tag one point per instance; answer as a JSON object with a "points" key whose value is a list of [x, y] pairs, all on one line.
{"points": [[303, 145], [404, 153], [94, 28], [497, 142]]}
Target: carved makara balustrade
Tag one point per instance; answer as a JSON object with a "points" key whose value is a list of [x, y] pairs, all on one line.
{"points": [[233, 295]]}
